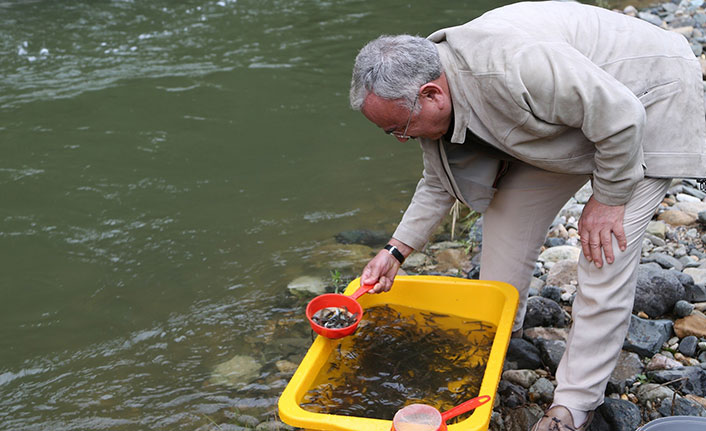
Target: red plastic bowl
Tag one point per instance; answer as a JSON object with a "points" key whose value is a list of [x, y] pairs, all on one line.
{"points": [[336, 300]]}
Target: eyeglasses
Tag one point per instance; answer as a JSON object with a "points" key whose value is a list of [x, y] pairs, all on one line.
{"points": [[409, 120]]}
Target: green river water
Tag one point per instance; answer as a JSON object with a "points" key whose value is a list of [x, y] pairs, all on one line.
{"points": [[167, 169]]}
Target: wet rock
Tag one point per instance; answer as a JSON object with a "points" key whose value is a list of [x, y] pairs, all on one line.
{"points": [[683, 308], [522, 418], [236, 372], [681, 407], [523, 354], [551, 352], [584, 194], [273, 426], [664, 260], [524, 378], [694, 379], [683, 197], [677, 218], [694, 324], [542, 391], [661, 362], [562, 252], [307, 286], [700, 400], [247, 421], [658, 229], [285, 366], [543, 312], [620, 415], [702, 217], [363, 236], [512, 395], [687, 346], [546, 333], [645, 337], [629, 365], [657, 291]]}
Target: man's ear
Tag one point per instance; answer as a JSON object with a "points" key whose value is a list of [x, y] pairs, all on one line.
{"points": [[432, 92]]}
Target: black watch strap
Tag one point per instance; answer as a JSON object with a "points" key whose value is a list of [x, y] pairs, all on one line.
{"points": [[395, 253]]}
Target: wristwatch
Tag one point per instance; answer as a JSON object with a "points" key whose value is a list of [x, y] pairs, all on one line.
{"points": [[395, 253]]}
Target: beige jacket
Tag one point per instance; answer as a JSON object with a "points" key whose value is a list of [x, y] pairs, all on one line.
{"points": [[569, 88]]}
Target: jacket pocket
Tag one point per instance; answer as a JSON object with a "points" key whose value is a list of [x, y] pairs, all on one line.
{"points": [[659, 92]]}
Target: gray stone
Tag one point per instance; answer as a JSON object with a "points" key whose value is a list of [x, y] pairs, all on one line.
{"points": [[691, 207], [416, 260], [657, 291], [563, 272], [651, 18], [273, 426], [554, 242], [524, 354], [551, 352], [694, 191], [511, 395], [653, 393], [697, 274], [551, 292], [584, 194], [543, 312], [655, 240], [522, 418], [524, 378], [629, 365], [307, 286], [621, 415], [683, 308], [681, 407], [658, 229], [541, 391], [694, 382], [664, 260], [696, 293], [702, 217], [687, 345], [247, 421], [645, 337], [537, 332], [562, 252], [235, 372]]}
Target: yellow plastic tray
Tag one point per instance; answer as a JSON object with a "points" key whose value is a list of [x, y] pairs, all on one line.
{"points": [[489, 301]]}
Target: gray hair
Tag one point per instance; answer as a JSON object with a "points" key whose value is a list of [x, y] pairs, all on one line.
{"points": [[394, 67]]}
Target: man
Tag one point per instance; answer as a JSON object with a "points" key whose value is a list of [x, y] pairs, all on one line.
{"points": [[515, 111]]}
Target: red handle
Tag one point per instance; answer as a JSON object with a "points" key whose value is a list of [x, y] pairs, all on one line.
{"points": [[361, 290], [465, 407]]}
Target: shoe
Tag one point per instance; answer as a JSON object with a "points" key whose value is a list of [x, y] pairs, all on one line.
{"points": [[559, 418]]}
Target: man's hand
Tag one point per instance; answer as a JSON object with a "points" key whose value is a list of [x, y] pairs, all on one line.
{"points": [[597, 224], [382, 269]]}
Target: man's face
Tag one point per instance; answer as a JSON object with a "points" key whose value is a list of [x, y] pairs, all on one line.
{"points": [[431, 120]]}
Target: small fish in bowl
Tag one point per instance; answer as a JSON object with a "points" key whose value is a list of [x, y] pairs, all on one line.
{"points": [[334, 317]]}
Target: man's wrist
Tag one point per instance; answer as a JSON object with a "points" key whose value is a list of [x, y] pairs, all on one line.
{"points": [[395, 252]]}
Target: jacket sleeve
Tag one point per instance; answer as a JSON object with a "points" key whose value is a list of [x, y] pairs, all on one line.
{"points": [[430, 204], [559, 85]]}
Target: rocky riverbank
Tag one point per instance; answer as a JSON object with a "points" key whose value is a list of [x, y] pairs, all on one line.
{"points": [[662, 368]]}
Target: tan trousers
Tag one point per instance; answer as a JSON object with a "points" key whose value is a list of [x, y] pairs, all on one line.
{"points": [[514, 228]]}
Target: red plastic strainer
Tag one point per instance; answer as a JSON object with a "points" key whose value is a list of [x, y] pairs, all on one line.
{"points": [[422, 417]]}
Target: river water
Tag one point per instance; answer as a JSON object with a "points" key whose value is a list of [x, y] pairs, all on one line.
{"points": [[167, 169]]}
